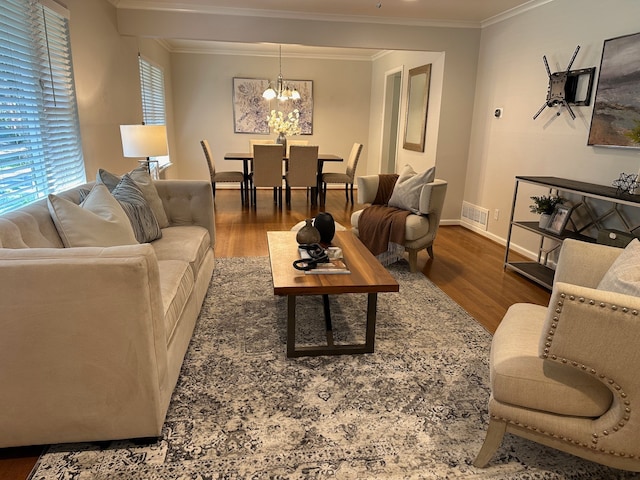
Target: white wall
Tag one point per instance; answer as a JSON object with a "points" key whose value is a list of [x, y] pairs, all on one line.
{"points": [[511, 74], [202, 93]]}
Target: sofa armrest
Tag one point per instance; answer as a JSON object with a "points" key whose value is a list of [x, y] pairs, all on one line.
{"points": [[83, 344], [583, 263], [367, 188], [188, 202]]}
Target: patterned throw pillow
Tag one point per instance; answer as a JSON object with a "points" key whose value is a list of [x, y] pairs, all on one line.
{"points": [[144, 222], [624, 275], [144, 182], [406, 192], [99, 221]]}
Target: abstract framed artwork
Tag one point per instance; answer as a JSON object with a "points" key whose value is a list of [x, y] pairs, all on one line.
{"points": [[615, 121], [250, 110]]}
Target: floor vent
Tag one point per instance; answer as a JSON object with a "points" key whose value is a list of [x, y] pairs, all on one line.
{"points": [[475, 216]]}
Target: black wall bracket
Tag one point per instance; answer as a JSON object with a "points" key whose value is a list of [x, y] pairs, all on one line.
{"points": [[563, 86]]}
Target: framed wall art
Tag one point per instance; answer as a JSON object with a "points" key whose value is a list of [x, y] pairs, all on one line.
{"points": [[250, 110], [559, 219], [616, 113], [304, 105]]}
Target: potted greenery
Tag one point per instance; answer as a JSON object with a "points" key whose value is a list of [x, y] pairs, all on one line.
{"points": [[545, 206]]}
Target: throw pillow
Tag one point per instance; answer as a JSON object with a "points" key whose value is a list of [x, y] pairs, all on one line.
{"points": [[99, 221], [624, 274], [144, 182], [144, 222], [406, 192]]}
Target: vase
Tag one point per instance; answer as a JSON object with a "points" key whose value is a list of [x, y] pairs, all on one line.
{"points": [[308, 234], [282, 140], [325, 224], [544, 220]]}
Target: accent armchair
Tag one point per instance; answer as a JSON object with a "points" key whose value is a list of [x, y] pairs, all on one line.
{"points": [[420, 227], [566, 375]]}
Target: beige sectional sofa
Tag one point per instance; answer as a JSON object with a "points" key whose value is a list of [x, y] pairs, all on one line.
{"points": [[93, 338]]}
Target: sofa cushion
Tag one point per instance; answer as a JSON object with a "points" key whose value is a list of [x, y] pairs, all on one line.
{"points": [[143, 221], [623, 275], [187, 243], [176, 285], [406, 192], [520, 377], [99, 221], [145, 183]]}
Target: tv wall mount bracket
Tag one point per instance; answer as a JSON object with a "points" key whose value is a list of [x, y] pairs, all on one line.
{"points": [[563, 87]]}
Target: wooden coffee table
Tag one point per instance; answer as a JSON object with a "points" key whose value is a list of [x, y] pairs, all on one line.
{"points": [[367, 276]]}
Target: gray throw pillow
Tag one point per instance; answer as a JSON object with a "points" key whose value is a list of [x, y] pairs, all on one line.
{"points": [[145, 184], [144, 222], [406, 192]]}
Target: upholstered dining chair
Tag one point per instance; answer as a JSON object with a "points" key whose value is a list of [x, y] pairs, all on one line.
{"points": [[566, 375], [302, 169], [259, 141], [267, 169], [347, 178], [222, 176], [295, 142]]}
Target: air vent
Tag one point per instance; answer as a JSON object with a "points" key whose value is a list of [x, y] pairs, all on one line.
{"points": [[475, 216]]}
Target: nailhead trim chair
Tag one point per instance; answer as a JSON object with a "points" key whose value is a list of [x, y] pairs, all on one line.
{"points": [[347, 178], [566, 375]]}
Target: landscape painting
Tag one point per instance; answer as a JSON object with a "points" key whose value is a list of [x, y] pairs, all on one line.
{"points": [[616, 112]]}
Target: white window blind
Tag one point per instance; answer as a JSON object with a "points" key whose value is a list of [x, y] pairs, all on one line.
{"points": [[152, 89], [40, 147]]}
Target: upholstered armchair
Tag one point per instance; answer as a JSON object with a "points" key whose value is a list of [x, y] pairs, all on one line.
{"points": [[421, 225], [566, 375]]}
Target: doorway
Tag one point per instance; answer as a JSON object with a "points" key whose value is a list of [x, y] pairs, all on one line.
{"points": [[391, 120]]}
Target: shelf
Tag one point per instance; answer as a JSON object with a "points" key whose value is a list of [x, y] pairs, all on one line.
{"points": [[534, 271], [535, 228]]}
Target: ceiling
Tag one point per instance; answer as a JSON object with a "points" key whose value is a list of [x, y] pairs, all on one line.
{"points": [[462, 12]]}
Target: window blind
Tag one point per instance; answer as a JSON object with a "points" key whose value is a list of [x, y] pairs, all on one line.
{"points": [[40, 146], [153, 101]]}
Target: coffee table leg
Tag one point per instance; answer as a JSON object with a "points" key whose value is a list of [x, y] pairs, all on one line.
{"points": [[291, 325], [372, 303]]}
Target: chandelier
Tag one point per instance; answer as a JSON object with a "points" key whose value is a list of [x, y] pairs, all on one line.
{"points": [[282, 91]]}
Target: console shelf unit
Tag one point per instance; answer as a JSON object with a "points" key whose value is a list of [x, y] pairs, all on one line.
{"points": [[538, 271]]}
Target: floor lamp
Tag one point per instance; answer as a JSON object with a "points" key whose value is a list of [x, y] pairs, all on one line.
{"points": [[144, 141]]}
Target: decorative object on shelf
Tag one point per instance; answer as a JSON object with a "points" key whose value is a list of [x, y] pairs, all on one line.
{"points": [[563, 87], [545, 205], [308, 234], [615, 122], [326, 225], [559, 219], [249, 109], [626, 184], [284, 90], [284, 125]]}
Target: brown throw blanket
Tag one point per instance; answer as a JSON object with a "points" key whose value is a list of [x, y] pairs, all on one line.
{"points": [[379, 224]]}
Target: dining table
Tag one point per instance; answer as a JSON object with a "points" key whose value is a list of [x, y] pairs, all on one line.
{"points": [[247, 158]]}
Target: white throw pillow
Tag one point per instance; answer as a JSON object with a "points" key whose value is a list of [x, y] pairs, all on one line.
{"points": [[406, 192], [144, 182], [624, 274], [99, 221]]}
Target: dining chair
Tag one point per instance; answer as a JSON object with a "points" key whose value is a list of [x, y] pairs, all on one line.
{"points": [[259, 141], [302, 170], [267, 169], [222, 176], [295, 142], [347, 178]]}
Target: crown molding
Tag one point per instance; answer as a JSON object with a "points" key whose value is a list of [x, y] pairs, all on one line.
{"points": [[513, 12]]}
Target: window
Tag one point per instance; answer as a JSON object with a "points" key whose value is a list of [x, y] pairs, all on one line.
{"points": [[152, 89], [40, 147]]}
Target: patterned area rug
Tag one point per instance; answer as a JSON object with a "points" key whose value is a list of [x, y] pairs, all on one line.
{"points": [[415, 409]]}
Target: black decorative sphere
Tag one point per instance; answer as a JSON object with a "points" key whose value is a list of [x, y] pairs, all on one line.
{"points": [[325, 224]]}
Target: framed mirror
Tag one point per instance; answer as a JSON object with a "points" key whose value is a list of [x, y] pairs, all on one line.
{"points": [[415, 127]]}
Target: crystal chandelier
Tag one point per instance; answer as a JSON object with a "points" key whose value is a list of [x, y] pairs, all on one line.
{"points": [[282, 91]]}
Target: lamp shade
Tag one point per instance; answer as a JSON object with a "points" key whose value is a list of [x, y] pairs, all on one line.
{"points": [[144, 140]]}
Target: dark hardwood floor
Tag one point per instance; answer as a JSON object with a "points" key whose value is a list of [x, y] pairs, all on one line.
{"points": [[467, 267]]}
